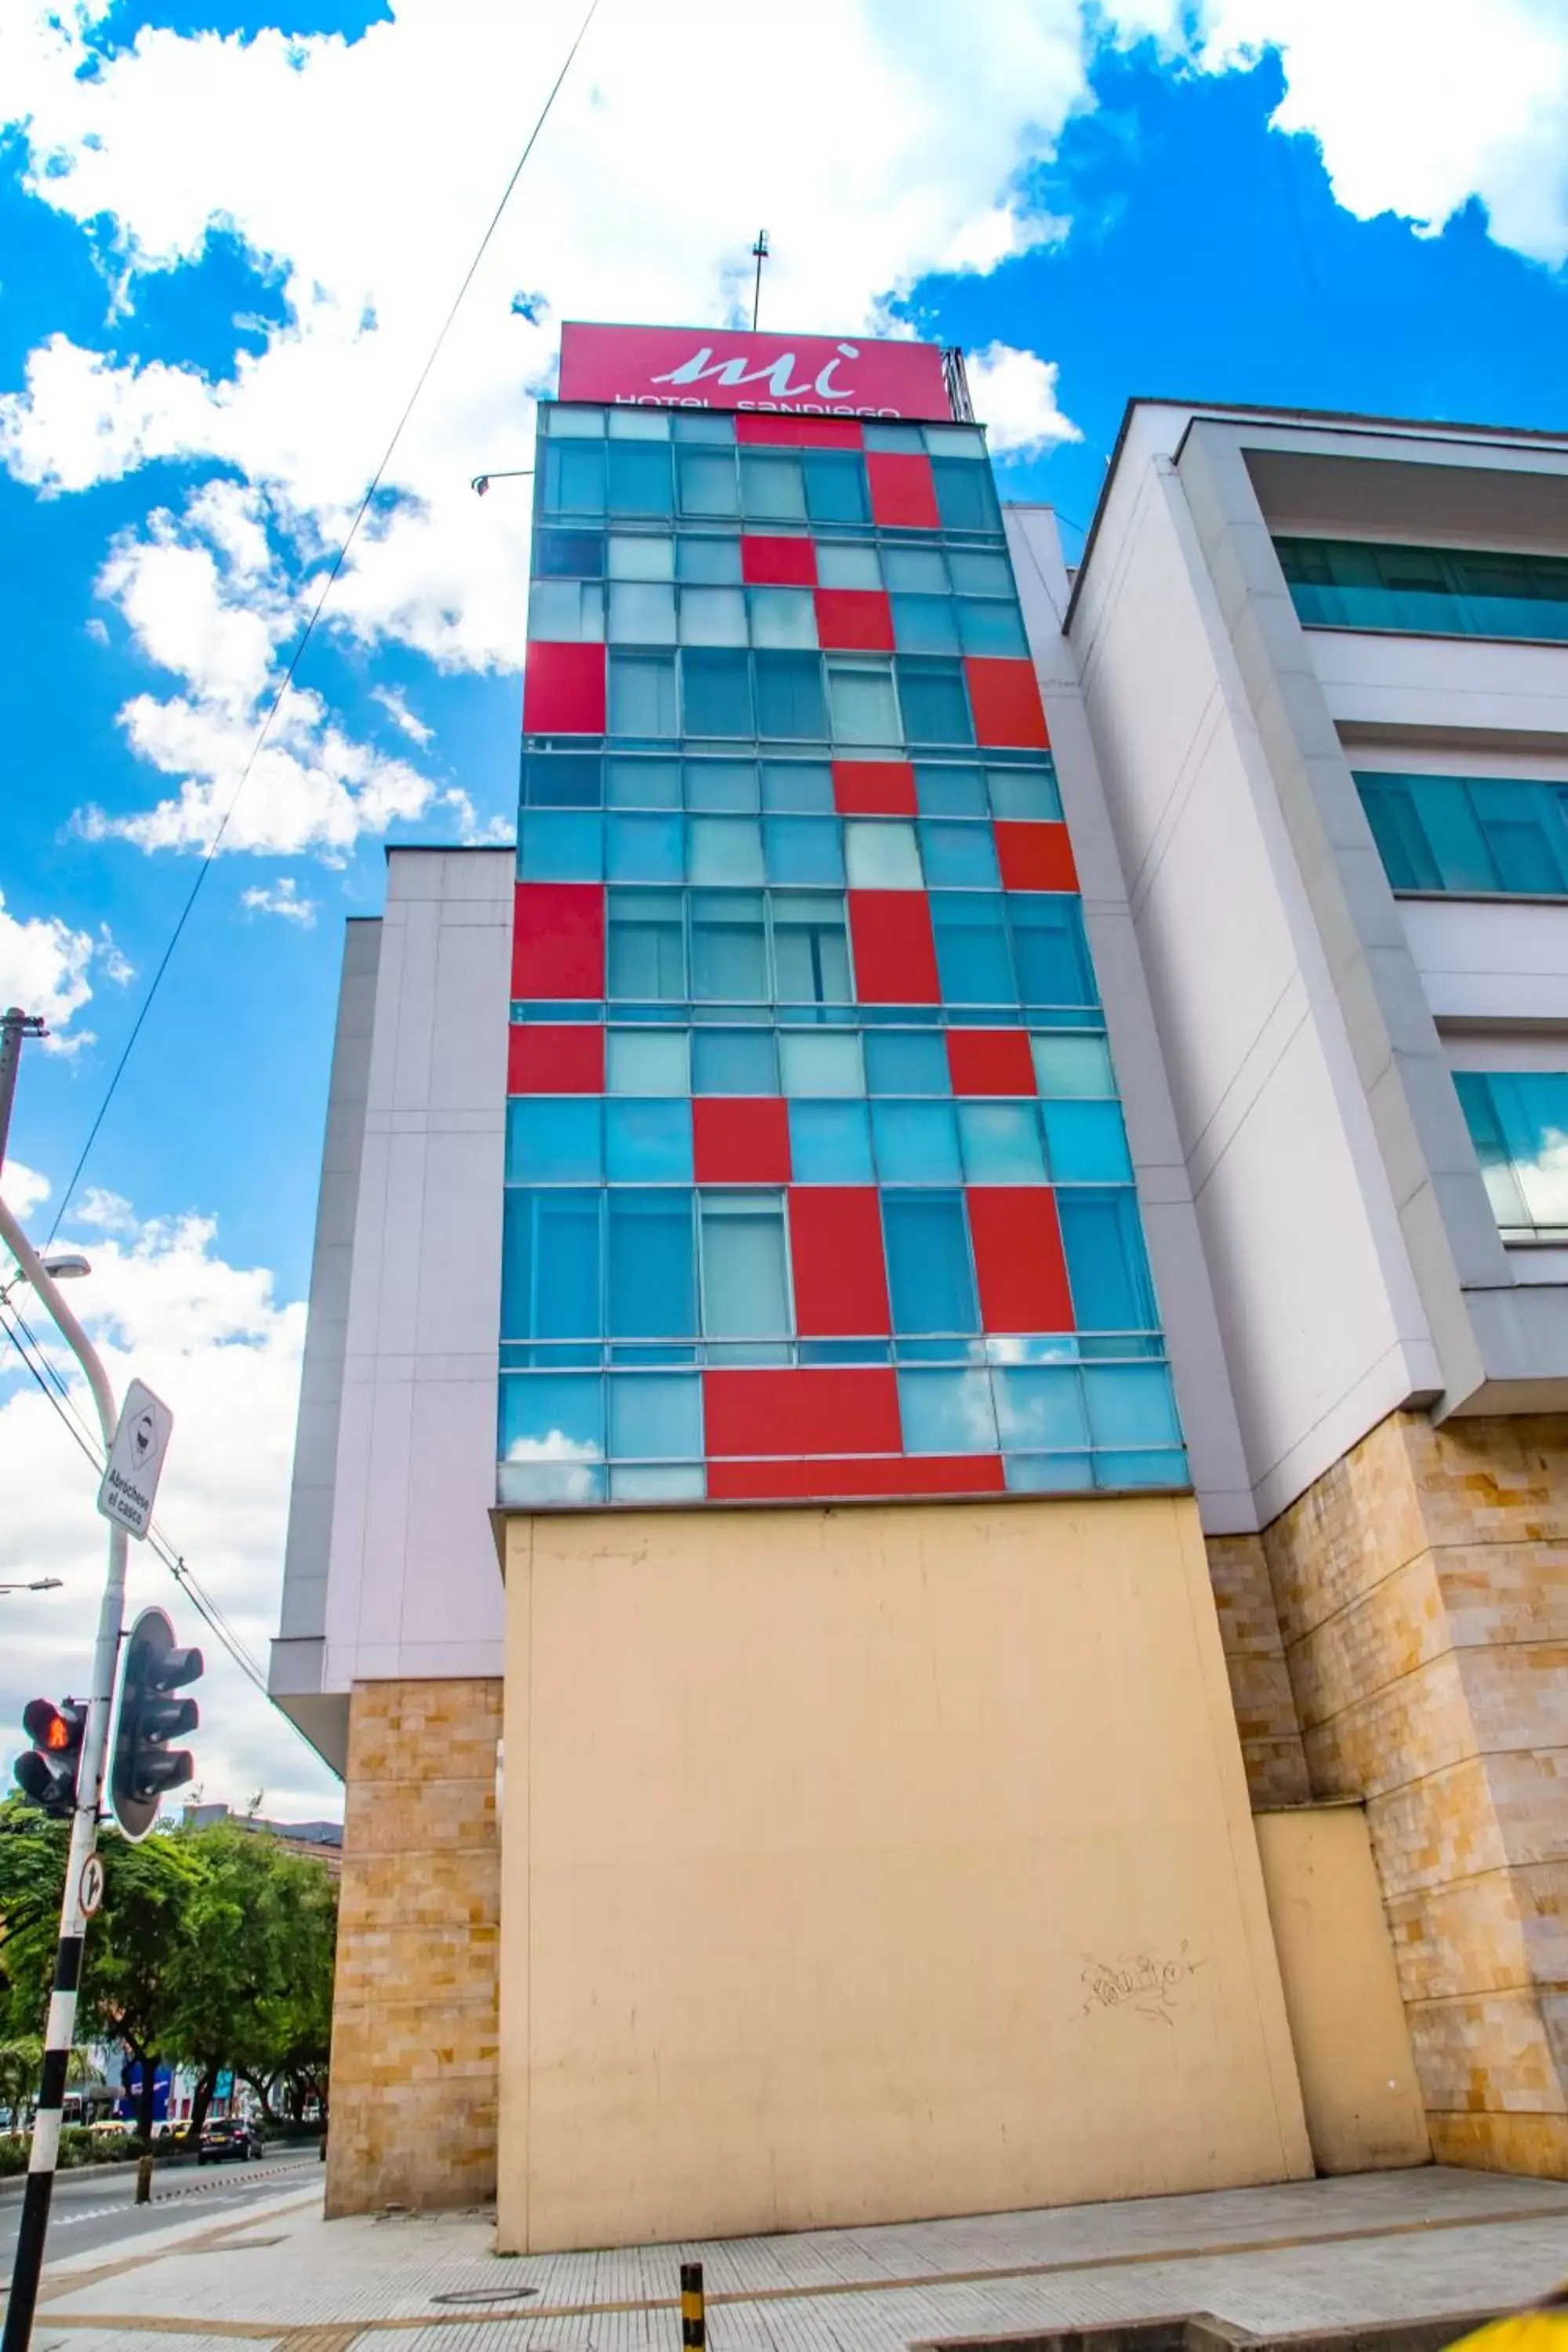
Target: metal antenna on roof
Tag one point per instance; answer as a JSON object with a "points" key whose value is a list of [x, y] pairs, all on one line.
{"points": [[760, 252]]}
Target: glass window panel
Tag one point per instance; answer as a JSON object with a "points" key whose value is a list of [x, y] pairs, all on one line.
{"points": [[729, 947], [553, 1139], [567, 418], [960, 856], [924, 624], [655, 1482], [1051, 950], [935, 702], [1072, 1064], [716, 693], [947, 1412], [782, 616], [965, 497], [917, 1142], [836, 488], [634, 423], [829, 1143], [1041, 1474], [647, 1142], [701, 424], [655, 1416], [550, 1265], [561, 845], [920, 570], [862, 697], [1131, 1405], [906, 1062], [1532, 1110], [561, 780], [642, 783], [789, 696], [950, 791], [722, 783], [725, 849], [978, 573], [804, 849], [880, 854], [734, 1062], [642, 695], [745, 1278], [642, 557], [1492, 1151], [708, 558], [811, 949], [566, 611], [706, 483], [991, 628], [574, 477], [1001, 1142], [1519, 832], [646, 849], [652, 1264], [842, 565], [1107, 1269], [818, 1062], [1115, 1471], [929, 1276], [1025, 793], [568, 555], [552, 1436], [972, 956], [773, 489], [1438, 823], [712, 616], [956, 441], [642, 612], [883, 435], [1040, 1408], [806, 786], [1087, 1143], [645, 1062], [647, 949], [640, 480]]}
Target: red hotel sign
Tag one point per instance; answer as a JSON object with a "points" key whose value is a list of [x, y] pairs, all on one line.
{"points": [[706, 367]]}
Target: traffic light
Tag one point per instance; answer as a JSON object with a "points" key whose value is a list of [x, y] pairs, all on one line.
{"points": [[47, 1772], [145, 1769]]}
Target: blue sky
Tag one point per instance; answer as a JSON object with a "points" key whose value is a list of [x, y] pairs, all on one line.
{"points": [[230, 256]]}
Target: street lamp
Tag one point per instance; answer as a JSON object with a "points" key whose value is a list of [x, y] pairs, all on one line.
{"points": [[40, 1584], [61, 1266]]}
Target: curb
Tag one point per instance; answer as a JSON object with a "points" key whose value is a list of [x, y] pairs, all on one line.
{"points": [[126, 2170]]}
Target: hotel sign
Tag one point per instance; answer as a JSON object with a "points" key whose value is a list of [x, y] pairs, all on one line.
{"points": [[706, 367]]}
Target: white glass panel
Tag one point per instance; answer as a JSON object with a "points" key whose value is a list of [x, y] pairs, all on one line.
{"points": [[815, 1061], [881, 855], [712, 616], [645, 1062], [565, 611], [725, 849], [782, 616], [634, 558], [864, 708], [848, 567], [745, 1282], [631, 424], [641, 613]]}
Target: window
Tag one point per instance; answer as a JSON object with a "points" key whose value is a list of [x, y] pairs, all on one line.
{"points": [[806, 786], [804, 849], [1025, 793], [789, 696], [712, 616], [552, 1438], [640, 480], [646, 952], [1050, 947], [929, 1276], [1107, 1272], [729, 946], [860, 694], [811, 950], [565, 611], [745, 1278], [835, 489], [829, 1143], [579, 423], [568, 555], [818, 1062], [642, 558], [559, 846], [553, 1139], [1039, 1409], [1087, 1143], [644, 847], [951, 791], [561, 780], [772, 488], [906, 1062], [1519, 1124], [701, 424], [638, 424], [716, 691], [947, 1412], [936, 706], [722, 784], [642, 612], [705, 483], [574, 477], [782, 616], [642, 695], [1452, 592], [726, 849], [1072, 1064], [710, 559], [880, 854], [924, 624], [645, 1062], [976, 574], [734, 1062], [848, 566], [972, 952], [647, 1142], [965, 496], [550, 1265], [919, 570], [1001, 1141], [915, 1142], [960, 856], [989, 629], [655, 1416], [651, 1263], [643, 784], [1469, 833]]}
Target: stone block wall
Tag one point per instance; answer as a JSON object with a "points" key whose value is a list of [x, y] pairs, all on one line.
{"points": [[1422, 1586], [415, 2034], [1271, 1744]]}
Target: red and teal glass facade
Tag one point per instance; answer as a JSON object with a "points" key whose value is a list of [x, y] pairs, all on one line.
{"points": [[816, 1181]]}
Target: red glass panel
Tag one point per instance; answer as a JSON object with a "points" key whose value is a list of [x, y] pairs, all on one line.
{"points": [[895, 954], [800, 432], [1005, 696], [892, 1474], [990, 1062], [740, 1140], [874, 788], [815, 1410], [1035, 857], [563, 689], [1019, 1258], [836, 1252], [558, 939], [769, 560], [903, 490], [858, 620], [555, 1059]]}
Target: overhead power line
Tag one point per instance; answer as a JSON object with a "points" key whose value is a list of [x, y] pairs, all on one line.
{"points": [[309, 630]]}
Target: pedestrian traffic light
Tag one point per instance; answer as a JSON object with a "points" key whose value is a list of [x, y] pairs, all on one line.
{"points": [[145, 1769], [47, 1771]]}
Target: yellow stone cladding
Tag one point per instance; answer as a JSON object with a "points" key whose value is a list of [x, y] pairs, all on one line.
{"points": [[1271, 1746], [415, 2035], [1422, 1589]]}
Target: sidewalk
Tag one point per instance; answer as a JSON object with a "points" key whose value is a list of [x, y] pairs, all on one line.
{"points": [[1306, 2255]]}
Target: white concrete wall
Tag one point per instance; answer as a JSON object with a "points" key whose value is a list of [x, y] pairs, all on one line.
{"points": [[1491, 959], [1484, 688], [413, 1584]]}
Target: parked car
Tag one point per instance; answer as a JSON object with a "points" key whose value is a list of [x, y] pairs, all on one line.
{"points": [[230, 2137]]}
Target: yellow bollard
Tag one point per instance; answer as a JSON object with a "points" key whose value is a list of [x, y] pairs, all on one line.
{"points": [[693, 2308], [144, 2181]]}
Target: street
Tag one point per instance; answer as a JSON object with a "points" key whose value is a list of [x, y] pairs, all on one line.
{"points": [[95, 2207]]}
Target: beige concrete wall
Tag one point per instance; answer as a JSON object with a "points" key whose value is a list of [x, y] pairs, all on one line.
{"points": [[867, 1863], [1342, 1990], [413, 2012]]}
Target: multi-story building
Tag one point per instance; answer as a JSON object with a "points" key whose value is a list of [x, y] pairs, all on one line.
{"points": [[924, 1216]]}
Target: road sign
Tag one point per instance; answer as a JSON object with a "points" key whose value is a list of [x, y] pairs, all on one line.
{"points": [[90, 1885], [135, 1460]]}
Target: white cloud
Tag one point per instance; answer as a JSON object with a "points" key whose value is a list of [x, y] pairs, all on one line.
{"points": [[23, 1188], [216, 1342], [1014, 395], [48, 968], [283, 900], [397, 709]]}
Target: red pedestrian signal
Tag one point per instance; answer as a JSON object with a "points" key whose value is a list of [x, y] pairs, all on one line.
{"points": [[46, 1773]]}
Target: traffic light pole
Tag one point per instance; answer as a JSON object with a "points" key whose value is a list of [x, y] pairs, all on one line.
{"points": [[34, 2222]]}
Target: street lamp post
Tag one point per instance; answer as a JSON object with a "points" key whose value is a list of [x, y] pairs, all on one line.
{"points": [[74, 1912]]}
